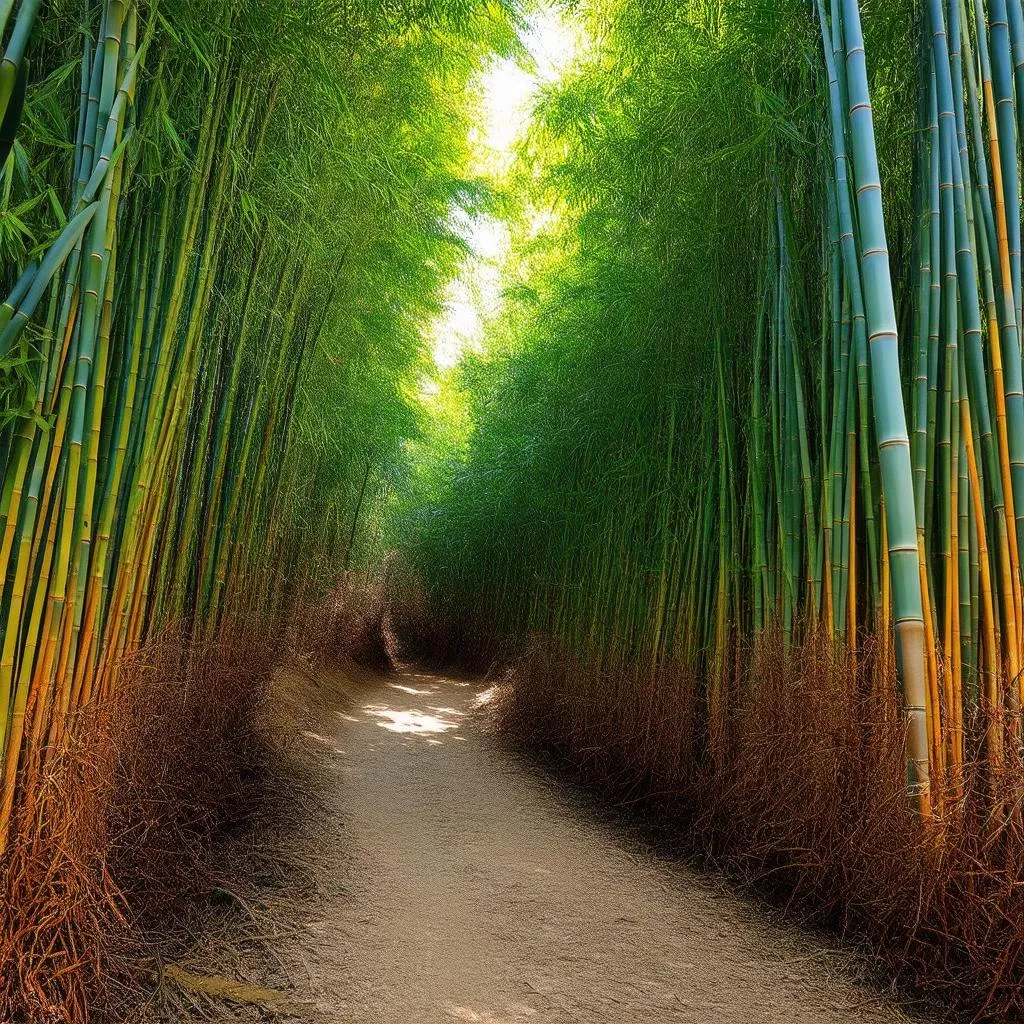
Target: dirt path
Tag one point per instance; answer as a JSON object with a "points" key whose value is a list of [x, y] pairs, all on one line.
{"points": [[473, 890]]}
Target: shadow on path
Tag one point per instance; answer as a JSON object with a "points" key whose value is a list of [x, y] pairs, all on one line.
{"points": [[461, 886]]}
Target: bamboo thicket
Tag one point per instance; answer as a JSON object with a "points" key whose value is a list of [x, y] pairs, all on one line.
{"points": [[219, 231], [762, 371]]}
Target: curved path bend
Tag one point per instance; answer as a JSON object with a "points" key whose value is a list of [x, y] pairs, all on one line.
{"points": [[469, 888]]}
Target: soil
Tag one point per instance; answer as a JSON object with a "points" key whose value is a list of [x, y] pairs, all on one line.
{"points": [[449, 880]]}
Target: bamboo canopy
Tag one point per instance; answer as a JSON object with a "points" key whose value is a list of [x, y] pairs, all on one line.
{"points": [[810, 282]]}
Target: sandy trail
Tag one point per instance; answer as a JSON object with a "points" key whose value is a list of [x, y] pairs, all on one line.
{"points": [[472, 889]]}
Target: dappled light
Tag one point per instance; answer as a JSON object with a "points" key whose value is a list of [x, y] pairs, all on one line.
{"points": [[483, 1016], [417, 723], [326, 740]]}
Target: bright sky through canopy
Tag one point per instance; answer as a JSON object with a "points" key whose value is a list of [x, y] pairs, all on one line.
{"points": [[506, 101]]}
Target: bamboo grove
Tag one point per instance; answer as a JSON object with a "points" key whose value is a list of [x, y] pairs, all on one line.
{"points": [[218, 226], [760, 371]]}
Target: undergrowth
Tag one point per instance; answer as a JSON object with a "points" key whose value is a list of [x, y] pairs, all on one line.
{"points": [[131, 819], [806, 803]]}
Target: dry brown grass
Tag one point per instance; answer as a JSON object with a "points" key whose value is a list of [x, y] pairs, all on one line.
{"points": [[59, 903], [807, 803], [127, 819], [123, 818], [348, 625]]}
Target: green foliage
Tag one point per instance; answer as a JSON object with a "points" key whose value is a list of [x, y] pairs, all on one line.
{"points": [[758, 365], [593, 407], [222, 227]]}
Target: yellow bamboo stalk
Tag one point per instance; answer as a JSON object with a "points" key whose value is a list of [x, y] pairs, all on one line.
{"points": [[993, 735], [1010, 573], [851, 599], [933, 709]]}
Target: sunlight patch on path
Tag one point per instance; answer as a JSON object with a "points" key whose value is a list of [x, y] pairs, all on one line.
{"points": [[416, 723], [485, 696], [410, 689], [464, 1013]]}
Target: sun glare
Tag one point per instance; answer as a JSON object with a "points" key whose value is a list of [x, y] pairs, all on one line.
{"points": [[506, 90]]}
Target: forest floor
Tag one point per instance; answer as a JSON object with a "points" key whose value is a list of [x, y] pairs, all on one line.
{"points": [[433, 876]]}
